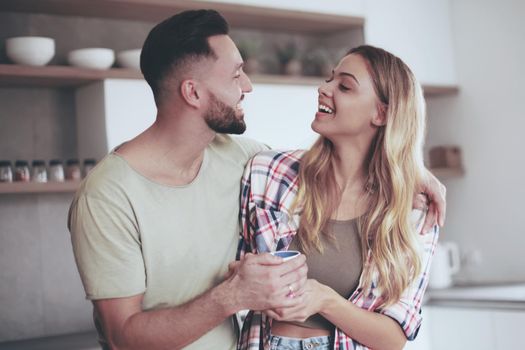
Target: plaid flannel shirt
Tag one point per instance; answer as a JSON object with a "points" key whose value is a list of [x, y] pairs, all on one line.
{"points": [[269, 187]]}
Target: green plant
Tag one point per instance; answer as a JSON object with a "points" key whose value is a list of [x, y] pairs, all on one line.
{"points": [[287, 52], [249, 49]]}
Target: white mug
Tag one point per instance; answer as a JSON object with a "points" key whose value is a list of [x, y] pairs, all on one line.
{"points": [[286, 254], [445, 264]]}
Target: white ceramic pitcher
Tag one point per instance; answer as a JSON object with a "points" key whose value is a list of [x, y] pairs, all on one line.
{"points": [[445, 264]]}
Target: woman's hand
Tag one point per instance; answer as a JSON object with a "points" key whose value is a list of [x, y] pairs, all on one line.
{"points": [[437, 206], [312, 301]]}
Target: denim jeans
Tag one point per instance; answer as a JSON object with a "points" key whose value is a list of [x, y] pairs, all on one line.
{"points": [[315, 343]]}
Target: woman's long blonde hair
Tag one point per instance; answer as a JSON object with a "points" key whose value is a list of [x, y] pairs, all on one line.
{"points": [[395, 168]]}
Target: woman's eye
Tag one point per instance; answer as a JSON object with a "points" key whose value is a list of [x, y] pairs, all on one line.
{"points": [[343, 88]]}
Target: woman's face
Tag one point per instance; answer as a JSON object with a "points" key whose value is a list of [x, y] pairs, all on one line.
{"points": [[348, 105]]}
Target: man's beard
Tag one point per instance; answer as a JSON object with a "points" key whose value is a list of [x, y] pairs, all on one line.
{"points": [[222, 119]]}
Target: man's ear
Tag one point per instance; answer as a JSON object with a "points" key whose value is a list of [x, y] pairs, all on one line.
{"points": [[189, 90], [379, 118]]}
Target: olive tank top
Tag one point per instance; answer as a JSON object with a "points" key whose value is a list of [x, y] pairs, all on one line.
{"points": [[339, 266]]}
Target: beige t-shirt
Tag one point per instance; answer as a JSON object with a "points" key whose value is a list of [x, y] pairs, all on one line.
{"points": [[131, 235]]}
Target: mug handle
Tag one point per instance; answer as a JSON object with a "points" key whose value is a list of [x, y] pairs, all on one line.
{"points": [[454, 257]]}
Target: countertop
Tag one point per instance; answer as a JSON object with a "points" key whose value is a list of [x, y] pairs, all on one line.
{"points": [[499, 296]]}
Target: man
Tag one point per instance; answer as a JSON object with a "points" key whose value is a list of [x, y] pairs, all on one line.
{"points": [[155, 224]]}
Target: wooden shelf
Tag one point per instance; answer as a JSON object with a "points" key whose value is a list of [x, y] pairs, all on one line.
{"points": [[66, 76], [439, 90], [285, 79], [155, 10], [59, 76], [446, 173], [35, 187]]}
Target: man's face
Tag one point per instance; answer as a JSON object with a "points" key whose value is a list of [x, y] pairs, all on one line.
{"points": [[224, 119], [226, 84]]}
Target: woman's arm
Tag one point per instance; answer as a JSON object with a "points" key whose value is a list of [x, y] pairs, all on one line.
{"points": [[371, 329], [386, 328], [375, 330]]}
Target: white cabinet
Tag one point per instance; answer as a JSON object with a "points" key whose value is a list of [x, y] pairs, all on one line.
{"points": [[418, 31], [281, 115], [111, 112], [460, 329], [454, 328], [114, 111], [509, 327]]}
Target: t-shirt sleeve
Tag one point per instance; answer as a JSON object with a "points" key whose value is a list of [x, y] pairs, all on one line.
{"points": [[106, 245], [251, 147], [407, 311]]}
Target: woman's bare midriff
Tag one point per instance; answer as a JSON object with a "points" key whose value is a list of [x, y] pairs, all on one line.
{"points": [[285, 329]]}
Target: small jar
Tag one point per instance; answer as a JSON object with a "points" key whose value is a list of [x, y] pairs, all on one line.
{"points": [[39, 171], [56, 170], [22, 173], [6, 173], [88, 165], [73, 170]]}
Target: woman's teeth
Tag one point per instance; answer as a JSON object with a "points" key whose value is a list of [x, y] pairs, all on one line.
{"points": [[325, 109]]}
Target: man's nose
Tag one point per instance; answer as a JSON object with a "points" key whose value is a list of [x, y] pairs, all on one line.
{"points": [[246, 84]]}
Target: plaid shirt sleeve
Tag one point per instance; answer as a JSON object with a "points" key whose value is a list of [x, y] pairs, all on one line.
{"points": [[407, 311], [245, 245], [267, 186]]}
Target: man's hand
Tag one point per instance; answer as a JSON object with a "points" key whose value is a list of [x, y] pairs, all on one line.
{"points": [[263, 281], [435, 205]]}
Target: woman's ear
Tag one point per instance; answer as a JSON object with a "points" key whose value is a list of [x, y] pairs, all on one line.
{"points": [[189, 90], [379, 118]]}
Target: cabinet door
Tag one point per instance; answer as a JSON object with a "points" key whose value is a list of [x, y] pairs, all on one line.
{"points": [[509, 327], [419, 32], [281, 115], [460, 329]]}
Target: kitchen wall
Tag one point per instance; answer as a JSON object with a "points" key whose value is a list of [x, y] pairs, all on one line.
{"points": [[485, 207], [39, 285], [40, 290]]}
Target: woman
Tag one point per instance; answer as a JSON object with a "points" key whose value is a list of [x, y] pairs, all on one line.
{"points": [[347, 204]]}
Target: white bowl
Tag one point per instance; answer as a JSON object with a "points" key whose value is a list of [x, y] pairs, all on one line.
{"points": [[129, 59], [95, 58], [30, 50]]}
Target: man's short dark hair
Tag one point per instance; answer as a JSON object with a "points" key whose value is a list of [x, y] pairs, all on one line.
{"points": [[179, 39]]}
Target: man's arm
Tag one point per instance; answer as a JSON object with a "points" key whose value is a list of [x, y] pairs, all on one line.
{"points": [[257, 282]]}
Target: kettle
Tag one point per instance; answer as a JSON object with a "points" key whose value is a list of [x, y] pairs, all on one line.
{"points": [[445, 264]]}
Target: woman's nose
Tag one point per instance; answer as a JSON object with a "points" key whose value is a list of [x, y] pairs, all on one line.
{"points": [[324, 89]]}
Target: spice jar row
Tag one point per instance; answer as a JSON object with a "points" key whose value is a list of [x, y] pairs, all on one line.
{"points": [[39, 172]]}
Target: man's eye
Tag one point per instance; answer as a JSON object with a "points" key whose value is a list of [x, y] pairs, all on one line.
{"points": [[329, 80]]}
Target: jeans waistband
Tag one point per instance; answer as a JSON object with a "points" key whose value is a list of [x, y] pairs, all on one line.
{"points": [[314, 343]]}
